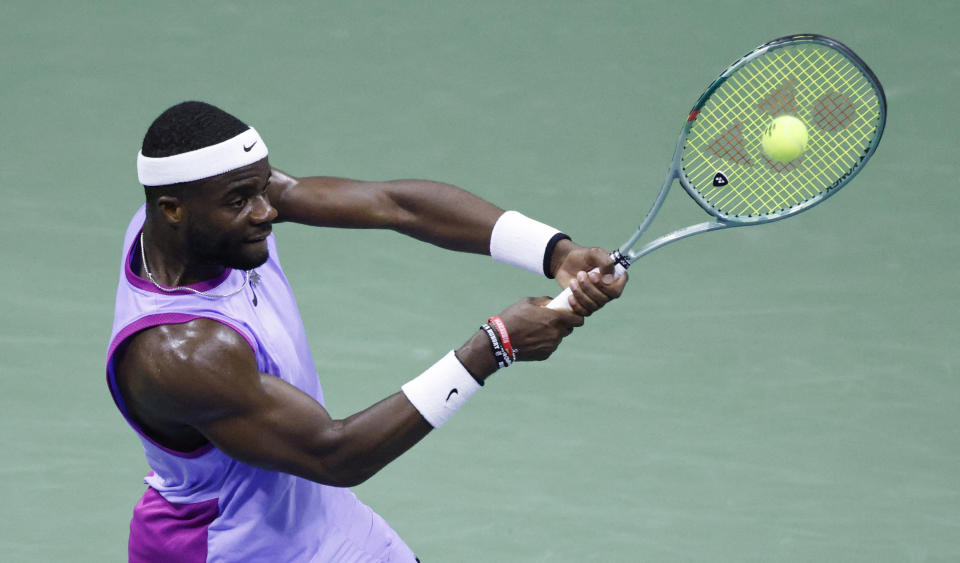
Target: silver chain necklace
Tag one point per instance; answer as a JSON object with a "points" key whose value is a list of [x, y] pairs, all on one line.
{"points": [[143, 260]]}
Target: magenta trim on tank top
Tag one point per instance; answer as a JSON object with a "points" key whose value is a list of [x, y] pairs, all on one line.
{"points": [[130, 330], [147, 285]]}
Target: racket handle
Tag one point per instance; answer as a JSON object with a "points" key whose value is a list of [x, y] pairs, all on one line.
{"points": [[562, 302]]}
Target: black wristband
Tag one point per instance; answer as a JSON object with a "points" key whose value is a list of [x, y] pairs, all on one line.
{"points": [[548, 252], [498, 354]]}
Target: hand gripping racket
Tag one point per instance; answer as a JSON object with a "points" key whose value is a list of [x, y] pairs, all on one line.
{"points": [[721, 159]]}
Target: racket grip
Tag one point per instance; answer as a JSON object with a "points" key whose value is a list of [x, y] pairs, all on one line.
{"points": [[562, 301]]}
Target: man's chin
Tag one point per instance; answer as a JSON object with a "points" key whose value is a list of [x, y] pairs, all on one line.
{"points": [[248, 260]]}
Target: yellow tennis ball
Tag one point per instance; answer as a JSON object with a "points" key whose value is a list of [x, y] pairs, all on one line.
{"points": [[785, 138]]}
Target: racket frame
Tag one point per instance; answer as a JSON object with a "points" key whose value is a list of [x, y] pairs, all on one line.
{"points": [[626, 256]]}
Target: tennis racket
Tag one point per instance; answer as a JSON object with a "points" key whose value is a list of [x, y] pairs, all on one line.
{"points": [[720, 158]]}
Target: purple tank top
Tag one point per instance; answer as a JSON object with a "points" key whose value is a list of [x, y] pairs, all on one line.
{"points": [[205, 506]]}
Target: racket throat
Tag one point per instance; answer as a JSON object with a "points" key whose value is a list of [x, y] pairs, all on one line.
{"points": [[623, 255]]}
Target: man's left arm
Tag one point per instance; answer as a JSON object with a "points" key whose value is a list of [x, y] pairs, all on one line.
{"points": [[440, 214]]}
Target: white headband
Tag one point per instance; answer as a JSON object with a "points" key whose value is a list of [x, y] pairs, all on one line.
{"points": [[246, 148]]}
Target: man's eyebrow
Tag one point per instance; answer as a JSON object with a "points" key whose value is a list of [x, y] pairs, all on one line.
{"points": [[240, 188]]}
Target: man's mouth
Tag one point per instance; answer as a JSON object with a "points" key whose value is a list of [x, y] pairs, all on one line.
{"points": [[258, 238]]}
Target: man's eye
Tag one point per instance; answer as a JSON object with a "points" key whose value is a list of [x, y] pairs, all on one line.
{"points": [[238, 203]]}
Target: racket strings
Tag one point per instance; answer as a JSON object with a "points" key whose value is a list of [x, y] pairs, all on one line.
{"points": [[774, 191], [776, 194], [813, 82], [731, 145], [783, 100], [833, 111]]}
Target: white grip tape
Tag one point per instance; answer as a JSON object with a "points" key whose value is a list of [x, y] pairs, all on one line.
{"points": [[562, 301], [520, 241], [441, 390]]}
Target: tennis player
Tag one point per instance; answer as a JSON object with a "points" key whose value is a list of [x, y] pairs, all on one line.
{"points": [[208, 359]]}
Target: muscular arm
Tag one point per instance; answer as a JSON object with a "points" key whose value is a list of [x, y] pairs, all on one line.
{"points": [[201, 377], [438, 213], [195, 382]]}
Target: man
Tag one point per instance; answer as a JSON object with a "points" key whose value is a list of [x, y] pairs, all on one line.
{"points": [[209, 363]]}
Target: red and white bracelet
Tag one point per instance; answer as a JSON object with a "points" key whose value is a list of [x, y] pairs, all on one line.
{"points": [[444, 387], [509, 352], [502, 359]]}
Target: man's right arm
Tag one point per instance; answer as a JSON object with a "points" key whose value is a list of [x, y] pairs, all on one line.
{"points": [[438, 213], [201, 377]]}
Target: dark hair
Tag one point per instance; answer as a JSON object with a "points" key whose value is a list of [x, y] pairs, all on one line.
{"points": [[189, 126]]}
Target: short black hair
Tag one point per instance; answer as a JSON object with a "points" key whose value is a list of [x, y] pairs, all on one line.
{"points": [[189, 126]]}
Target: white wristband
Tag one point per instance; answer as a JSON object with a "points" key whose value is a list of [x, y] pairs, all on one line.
{"points": [[441, 390], [523, 242]]}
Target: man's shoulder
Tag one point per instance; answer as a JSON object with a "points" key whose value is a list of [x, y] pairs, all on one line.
{"points": [[193, 335], [193, 347], [187, 364]]}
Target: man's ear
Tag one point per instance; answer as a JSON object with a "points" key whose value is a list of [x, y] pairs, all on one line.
{"points": [[172, 208]]}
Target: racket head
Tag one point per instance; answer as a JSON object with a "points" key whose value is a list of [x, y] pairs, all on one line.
{"points": [[719, 159]]}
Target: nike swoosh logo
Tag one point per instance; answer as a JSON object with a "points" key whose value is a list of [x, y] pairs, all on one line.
{"points": [[248, 149], [452, 393]]}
